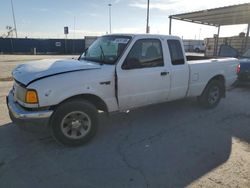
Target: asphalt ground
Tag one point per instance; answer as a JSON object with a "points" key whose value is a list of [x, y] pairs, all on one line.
{"points": [[176, 144]]}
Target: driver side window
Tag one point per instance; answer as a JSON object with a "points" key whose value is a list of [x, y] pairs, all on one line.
{"points": [[145, 53]]}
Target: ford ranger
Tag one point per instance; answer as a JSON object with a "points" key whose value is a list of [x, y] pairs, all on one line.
{"points": [[116, 73]]}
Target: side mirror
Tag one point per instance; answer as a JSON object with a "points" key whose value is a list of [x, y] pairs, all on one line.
{"points": [[228, 51], [131, 63]]}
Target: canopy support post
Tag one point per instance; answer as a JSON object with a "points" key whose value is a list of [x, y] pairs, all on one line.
{"points": [[247, 36], [216, 42], [170, 25]]}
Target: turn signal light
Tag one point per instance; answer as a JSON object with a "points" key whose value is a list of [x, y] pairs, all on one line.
{"points": [[31, 97]]}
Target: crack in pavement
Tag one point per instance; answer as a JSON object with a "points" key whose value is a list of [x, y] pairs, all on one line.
{"points": [[122, 154], [2, 164], [235, 116], [218, 182], [165, 132]]}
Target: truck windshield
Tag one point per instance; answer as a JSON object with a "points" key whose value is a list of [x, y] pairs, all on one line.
{"points": [[106, 49]]}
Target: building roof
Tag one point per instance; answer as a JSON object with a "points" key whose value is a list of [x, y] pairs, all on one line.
{"points": [[228, 15]]}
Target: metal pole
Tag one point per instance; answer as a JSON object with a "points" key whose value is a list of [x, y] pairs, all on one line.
{"points": [[110, 17], [216, 43], [74, 26], [170, 25], [247, 36], [65, 43], [74, 34], [200, 34], [147, 26], [14, 19]]}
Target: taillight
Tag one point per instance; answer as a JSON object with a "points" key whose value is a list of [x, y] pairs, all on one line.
{"points": [[238, 69]]}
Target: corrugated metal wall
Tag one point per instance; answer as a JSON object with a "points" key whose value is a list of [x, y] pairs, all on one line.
{"points": [[42, 46]]}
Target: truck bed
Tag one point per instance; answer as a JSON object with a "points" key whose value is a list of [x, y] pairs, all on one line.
{"points": [[199, 77], [195, 58]]}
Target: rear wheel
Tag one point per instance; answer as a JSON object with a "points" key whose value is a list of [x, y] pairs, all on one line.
{"points": [[197, 50], [74, 122], [212, 94]]}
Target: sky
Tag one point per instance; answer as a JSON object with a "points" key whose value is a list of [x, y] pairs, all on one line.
{"points": [[47, 18]]}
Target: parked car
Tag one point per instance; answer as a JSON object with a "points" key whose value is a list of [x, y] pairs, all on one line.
{"points": [[116, 73], [243, 69], [199, 48], [194, 45]]}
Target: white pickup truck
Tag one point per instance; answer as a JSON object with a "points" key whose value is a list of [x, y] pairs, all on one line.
{"points": [[116, 73]]}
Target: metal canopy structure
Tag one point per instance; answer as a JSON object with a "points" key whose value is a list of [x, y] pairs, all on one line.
{"points": [[228, 15]]}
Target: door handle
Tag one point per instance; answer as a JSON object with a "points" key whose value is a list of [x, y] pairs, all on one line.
{"points": [[164, 73]]}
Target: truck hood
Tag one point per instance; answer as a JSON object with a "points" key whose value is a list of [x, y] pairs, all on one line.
{"points": [[28, 72]]}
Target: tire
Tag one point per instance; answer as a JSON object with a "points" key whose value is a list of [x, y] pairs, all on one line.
{"points": [[197, 50], [211, 95], [74, 122]]}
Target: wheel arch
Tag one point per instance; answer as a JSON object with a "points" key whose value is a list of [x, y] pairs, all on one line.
{"points": [[221, 79], [94, 99]]}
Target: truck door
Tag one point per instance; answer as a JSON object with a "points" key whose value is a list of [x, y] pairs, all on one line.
{"points": [[142, 77], [179, 70]]}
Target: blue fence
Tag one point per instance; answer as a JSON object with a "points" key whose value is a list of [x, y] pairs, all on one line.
{"points": [[41, 46]]}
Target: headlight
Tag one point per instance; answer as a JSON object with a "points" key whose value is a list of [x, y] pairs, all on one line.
{"points": [[31, 96]]}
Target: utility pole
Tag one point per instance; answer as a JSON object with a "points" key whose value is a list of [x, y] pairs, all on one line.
{"points": [[74, 34], [147, 26], [109, 18], [14, 19], [66, 32], [200, 34]]}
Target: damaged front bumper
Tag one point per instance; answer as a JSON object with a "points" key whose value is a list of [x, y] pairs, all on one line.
{"points": [[20, 115]]}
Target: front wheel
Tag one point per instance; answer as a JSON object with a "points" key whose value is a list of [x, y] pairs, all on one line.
{"points": [[74, 122], [212, 94]]}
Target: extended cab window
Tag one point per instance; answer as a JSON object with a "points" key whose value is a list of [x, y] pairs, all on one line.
{"points": [[144, 53], [176, 52]]}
